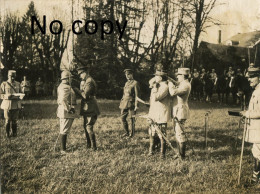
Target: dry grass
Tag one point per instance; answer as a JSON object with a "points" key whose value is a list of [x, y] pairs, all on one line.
{"points": [[29, 164]]}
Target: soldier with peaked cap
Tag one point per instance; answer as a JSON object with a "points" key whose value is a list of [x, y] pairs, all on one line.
{"points": [[252, 116], [180, 107], [160, 110], [129, 102], [11, 103], [66, 112], [89, 107]]}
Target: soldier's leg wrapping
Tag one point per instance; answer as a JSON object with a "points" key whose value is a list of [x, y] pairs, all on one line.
{"points": [[256, 154], [151, 137], [86, 131], [65, 125], [124, 113], [180, 137], [90, 124], [132, 120], [7, 122], [162, 128]]}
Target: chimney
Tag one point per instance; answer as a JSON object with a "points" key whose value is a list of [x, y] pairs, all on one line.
{"points": [[219, 36]]}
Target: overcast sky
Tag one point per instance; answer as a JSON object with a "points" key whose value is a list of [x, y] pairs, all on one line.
{"points": [[238, 16]]}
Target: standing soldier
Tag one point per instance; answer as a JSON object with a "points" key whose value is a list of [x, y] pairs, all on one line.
{"points": [[26, 86], [89, 107], [66, 112], [160, 110], [129, 102], [39, 87], [11, 103], [252, 116], [180, 107]]}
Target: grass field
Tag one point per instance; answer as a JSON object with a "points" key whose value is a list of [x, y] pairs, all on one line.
{"points": [[29, 163]]}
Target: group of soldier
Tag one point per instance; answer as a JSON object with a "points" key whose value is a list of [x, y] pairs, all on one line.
{"points": [[206, 83], [168, 102]]}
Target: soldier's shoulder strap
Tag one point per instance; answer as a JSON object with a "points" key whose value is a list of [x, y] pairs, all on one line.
{"points": [[10, 85]]}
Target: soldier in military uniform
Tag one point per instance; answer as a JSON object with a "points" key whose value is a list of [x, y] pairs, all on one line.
{"points": [[89, 107], [252, 116], [11, 103], [66, 101], [180, 107], [26, 86], [160, 111], [39, 87], [129, 102]]}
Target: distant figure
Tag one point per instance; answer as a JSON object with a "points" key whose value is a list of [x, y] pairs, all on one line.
{"points": [[11, 103], [39, 87], [26, 87], [129, 102]]}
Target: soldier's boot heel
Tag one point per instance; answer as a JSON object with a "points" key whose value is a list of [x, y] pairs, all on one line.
{"points": [[125, 126], [7, 130], [256, 173]]}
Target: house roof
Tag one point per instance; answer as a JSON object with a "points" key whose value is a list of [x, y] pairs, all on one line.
{"points": [[246, 39]]}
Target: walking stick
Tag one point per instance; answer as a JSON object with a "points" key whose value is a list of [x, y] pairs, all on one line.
{"points": [[182, 128], [242, 150]]}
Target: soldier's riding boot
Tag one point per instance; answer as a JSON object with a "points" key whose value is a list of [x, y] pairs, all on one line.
{"points": [[7, 129], [132, 127], [163, 148], [256, 173], [63, 143], [88, 139], [125, 126], [93, 142], [152, 146], [182, 149], [14, 128]]}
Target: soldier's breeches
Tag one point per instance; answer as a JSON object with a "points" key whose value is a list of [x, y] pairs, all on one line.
{"points": [[180, 134], [89, 122], [256, 151], [11, 114], [65, 125]]}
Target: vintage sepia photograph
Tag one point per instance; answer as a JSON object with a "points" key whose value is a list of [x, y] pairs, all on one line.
{"points": [[120, 96]]}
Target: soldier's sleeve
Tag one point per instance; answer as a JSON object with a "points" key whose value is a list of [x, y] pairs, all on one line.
{"points": [[179, 91], [161, 93], [137, 91], [63, 98], [254, 114], [2, 88], [87, 89]]}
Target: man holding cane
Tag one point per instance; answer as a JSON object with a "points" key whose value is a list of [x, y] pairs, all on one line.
{"points": [[252, 116]]}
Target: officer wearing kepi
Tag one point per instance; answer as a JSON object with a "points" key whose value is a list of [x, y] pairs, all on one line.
{"points": [[180, 107], [129, 102], [89, 107], [11, 103], [66, 112], [252, 116]]}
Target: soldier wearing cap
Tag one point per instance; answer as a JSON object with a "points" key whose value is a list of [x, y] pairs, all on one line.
{"points": [[89, 107], [160, 111], [252, 116], [66, 102], [180, 107], [129, 102], [39, 87], [11, 103]]}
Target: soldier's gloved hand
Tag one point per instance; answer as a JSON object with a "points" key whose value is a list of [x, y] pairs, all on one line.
{"points": [[72, 111]]}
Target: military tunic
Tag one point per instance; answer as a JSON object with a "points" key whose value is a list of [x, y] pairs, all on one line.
{"points": [[66, 100], [25, 85], [12, 104], [253, 119], [180, 107]]}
